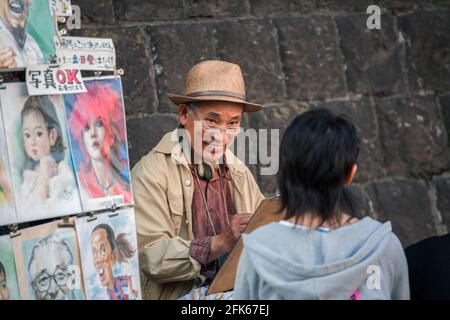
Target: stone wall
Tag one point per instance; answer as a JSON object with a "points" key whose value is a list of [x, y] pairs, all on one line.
{"points": [[296, 55]]}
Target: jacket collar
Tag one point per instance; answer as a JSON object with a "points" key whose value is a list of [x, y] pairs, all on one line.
{"points": [[169, 144]]}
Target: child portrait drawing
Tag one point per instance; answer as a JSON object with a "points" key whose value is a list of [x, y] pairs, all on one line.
{"points": [[44, 148], [43, 178]]}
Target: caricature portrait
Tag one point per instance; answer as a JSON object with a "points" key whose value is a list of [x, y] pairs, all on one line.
{"points": [[9, 289], [24, 39], [44, 181], [17, 47], [48, 269], [111, 272], [48, 263], [109, 250], [96, 123]]}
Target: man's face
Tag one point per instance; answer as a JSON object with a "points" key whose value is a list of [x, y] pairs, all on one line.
{"points": [[14, 14], [103, 257], [50, 270], [211, 127], [4, 291]]}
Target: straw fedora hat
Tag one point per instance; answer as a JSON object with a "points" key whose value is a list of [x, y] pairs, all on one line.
{"points": [[214, 80]]}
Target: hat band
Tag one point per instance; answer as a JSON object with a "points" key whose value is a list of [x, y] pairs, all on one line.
{"points": [[217, 93]]}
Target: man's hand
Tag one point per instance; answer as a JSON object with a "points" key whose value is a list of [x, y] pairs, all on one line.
{"points": [[238, 223], [7, 57], [224, 242]]}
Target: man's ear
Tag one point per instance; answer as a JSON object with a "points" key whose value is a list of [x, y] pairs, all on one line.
{"points": [[351, 175], [182, 113], [53, 135]]}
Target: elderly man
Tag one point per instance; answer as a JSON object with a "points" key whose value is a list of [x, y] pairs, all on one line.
{"points": [[193, 197], [48, 269]]}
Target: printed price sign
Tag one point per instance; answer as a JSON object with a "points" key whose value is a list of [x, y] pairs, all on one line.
{"points": [[86, 53], [43, 79], [62, 8]]}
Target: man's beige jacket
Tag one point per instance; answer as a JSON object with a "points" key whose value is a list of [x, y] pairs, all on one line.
{"points": [[163, 188]]}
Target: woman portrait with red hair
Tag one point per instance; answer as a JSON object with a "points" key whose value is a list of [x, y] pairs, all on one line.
{"points": [[98, 139]]}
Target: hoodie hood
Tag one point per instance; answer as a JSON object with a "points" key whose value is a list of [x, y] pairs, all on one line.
{"points": [[301, 263]]}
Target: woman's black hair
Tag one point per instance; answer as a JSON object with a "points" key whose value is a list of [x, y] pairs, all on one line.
{"points": [[45, 107], [317, 153]]}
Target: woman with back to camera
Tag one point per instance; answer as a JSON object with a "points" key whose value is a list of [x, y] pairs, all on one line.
{"points": [[321, 250]]}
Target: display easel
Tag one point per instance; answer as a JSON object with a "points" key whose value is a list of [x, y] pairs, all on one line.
{"points": [[18, 74]]}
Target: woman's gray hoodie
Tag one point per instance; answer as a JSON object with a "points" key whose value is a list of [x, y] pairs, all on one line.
{"points": [[364, 260]]}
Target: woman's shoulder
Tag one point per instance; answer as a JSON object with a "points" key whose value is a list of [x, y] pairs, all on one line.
{"points": [[262, 234]]}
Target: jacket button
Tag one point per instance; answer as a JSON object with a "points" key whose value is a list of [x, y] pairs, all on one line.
{"points": [[188, 182]]}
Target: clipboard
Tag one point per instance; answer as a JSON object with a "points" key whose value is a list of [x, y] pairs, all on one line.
{"points": [[265, 214]]}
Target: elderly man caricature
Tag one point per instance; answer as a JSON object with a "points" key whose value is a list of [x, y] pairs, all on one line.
{"points": [[17, 47], [48, 269]]}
